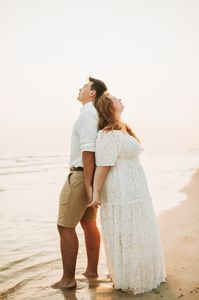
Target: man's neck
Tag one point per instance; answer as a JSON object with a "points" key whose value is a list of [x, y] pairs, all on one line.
{"points": [[88, 101]]}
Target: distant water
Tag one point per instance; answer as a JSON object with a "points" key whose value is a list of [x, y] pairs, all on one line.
{"points": [[29, 192]]}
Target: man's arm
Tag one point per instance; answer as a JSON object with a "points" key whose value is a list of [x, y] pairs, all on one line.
{"points": [[87, 131], [88, 159]]}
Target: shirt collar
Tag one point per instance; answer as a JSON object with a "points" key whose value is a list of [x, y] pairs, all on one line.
{"points": [[86, 105]]}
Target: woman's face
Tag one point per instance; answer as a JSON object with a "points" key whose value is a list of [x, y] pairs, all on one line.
{"points": [[117, 104]]}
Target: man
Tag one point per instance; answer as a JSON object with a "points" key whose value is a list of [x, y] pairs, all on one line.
{"points": [[77, 191]]}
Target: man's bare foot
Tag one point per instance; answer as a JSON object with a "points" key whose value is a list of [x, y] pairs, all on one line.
{"points": [[65, 284], [90, 274]]}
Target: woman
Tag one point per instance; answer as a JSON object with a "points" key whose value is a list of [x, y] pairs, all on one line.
{"points": [[129, 230]]}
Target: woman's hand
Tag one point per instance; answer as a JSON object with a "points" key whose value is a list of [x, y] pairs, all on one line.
{"points": [[95, 201]]}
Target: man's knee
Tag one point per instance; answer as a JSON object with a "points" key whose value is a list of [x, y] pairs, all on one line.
{"points": [[64, 230]]}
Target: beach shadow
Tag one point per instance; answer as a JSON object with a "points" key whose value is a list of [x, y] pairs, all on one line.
{"points": [[70, 294], [107, 292], [102, 289]]}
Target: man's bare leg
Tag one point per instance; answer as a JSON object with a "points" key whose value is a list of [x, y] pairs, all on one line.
{"points": [[92, 241], [69, 249]]}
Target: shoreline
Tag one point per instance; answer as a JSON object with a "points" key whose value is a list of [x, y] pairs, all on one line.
{"points": [[179, 229]]}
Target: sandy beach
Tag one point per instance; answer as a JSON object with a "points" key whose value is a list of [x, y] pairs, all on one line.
{"points": [[179, 232], [30, 278]]}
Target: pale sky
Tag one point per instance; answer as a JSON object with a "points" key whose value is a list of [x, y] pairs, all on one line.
{"points": [[147, 52]]}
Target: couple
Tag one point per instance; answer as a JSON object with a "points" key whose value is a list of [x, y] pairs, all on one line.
{"points": [[105, 170]]}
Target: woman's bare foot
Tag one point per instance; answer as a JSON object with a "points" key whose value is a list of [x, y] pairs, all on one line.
{"points": [[65, 284], [109, 277], [90, 274]]}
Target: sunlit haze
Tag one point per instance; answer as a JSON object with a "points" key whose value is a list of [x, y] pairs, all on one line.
{"points": [[145, 51]]}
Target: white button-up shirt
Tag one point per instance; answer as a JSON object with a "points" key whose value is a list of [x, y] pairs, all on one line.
{"points": [[83, 134]]}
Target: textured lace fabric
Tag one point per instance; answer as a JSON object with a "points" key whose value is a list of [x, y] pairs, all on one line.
{"points": [[129, 229]]}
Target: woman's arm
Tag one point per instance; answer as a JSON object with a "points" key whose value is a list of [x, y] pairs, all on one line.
{"points": [[99, 178]]}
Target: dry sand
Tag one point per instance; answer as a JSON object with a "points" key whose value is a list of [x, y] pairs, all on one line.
{"points": [[180, 237]]}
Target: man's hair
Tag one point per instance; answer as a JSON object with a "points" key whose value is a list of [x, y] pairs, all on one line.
{"points": [[98, 85]]}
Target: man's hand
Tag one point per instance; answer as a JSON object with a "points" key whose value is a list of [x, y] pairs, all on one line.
{"points": [[96, 200]]}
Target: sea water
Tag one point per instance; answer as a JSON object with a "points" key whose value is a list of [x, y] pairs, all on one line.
{"points": [[29, 194]]}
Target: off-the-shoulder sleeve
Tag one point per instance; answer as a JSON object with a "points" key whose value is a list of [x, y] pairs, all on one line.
{"points": [[108, 145]]}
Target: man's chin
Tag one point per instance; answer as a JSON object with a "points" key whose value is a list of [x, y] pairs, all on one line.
{"points": [[79, 99]]}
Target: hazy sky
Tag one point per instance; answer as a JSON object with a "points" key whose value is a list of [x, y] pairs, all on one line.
{"points": [[147, 52]]}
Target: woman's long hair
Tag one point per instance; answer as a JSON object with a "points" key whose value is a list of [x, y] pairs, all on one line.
{"points": [[107, 120]]}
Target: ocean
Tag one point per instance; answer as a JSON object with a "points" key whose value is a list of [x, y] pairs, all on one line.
{"points": [[29, 191]]}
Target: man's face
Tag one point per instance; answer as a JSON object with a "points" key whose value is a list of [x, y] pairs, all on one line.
{"points": [[85, 93]]}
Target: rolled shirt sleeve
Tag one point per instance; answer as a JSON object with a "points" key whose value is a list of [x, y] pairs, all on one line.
{"points": [[87, 131]]}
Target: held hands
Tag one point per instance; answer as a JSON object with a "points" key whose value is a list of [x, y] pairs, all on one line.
{"points": [[93, 197], [95, 200]]}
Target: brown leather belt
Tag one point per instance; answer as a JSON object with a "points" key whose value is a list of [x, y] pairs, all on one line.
{"points": [[76, 169]]}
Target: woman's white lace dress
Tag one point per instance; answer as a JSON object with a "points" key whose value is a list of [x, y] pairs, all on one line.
{"points": [[129, 229]]}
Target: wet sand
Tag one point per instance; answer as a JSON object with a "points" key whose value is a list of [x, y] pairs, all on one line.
{"points": [[179, 233]]}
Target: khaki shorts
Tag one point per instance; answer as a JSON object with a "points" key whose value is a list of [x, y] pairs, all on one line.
{"points": [[73, 202]]}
